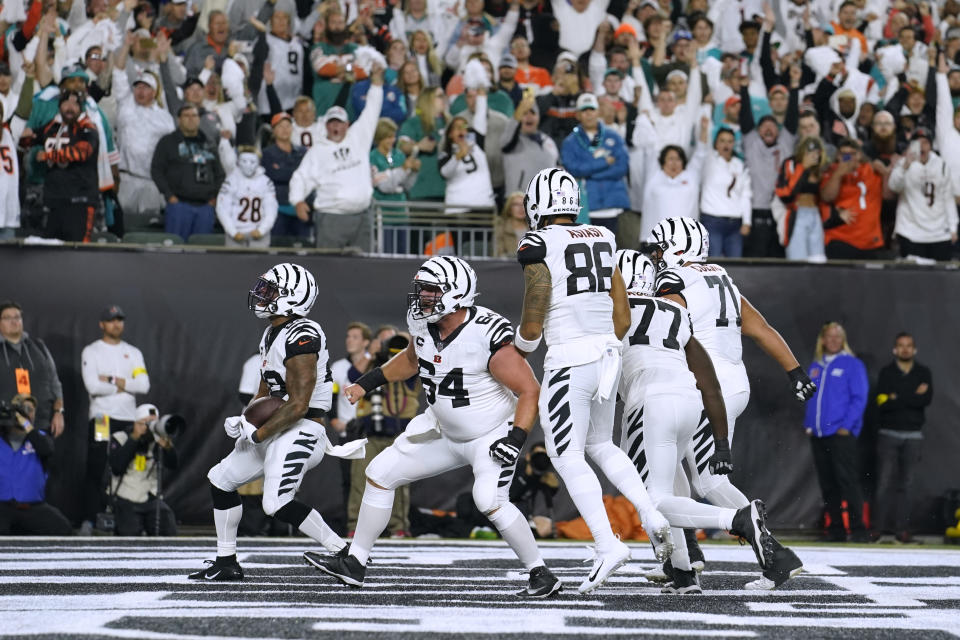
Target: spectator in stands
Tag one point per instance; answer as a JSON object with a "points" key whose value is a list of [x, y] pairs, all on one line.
{"points": [[798, 187], [509, 226], [307, 128], [525, 149], [215, 45], [948, 118], [279, 161], [475, 33], [558, 109], [188, 172], [69, 147], [597, 156], [332, 62], [927, 212], [25, 453], [463, 162], [428, 62], [247, 203], [337, 171], [285, 53], [420, 137], [27, 367], [578, 21], [410, 85], [113, 372], [507, 72], [850, 198], [808, 126], [347, 370], [141, 122], [174, 22], [136, 453], [393, 175], [834, 418], [904, 390], [725, 198], [527, 74]]}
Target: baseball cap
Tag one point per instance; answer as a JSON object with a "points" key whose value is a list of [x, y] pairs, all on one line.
{"points": [[74, 71], [923, 132], [4, 69], [732, 100], [277, 117], [778, 87], [612, 71], [191, 81], [826, 27], [566, 56], [145, 412], [178, 1], [953, 33], [682, 34], [625, 28], [675, 73], [111, 313], [846, 93], [336, 113], [508, 60], [587, 101], [147, 79], [650, 3]]}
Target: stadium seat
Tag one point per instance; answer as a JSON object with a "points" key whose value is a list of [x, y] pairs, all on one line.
{"points": [[153, 237], [206, 239]]}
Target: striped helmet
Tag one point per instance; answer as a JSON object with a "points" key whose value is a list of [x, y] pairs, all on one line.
{"points": [[442, 285], [682, 240], [285, 290], [552, 192], [638, 272]]}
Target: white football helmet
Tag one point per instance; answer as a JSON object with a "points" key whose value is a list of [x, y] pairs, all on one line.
{"points": [[638, 271], [442, 285], [285, 290], [682, 240], [552, 192]]}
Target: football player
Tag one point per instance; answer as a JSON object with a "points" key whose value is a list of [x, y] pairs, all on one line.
{"points": [[720, 314], [663, 368], [482, 398], [574, 298], [294, 358]]}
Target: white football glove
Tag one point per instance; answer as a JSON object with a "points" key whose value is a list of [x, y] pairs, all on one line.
{"points": [[238, 427]]}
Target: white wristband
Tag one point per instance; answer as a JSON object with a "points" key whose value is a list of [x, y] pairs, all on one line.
{"points": [[527, 346]]}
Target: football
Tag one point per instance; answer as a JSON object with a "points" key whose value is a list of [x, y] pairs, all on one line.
{"points": [[259, 411]]}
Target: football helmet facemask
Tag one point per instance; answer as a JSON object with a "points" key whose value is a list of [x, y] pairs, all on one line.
{"points": [[285, 290], [552, 192], [442, 285], [638, 272]]}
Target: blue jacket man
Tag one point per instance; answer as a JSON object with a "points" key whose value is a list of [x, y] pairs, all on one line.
{"points": [[597, 156], [841, 396]]}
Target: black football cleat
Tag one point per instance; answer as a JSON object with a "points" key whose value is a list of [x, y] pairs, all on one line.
{"points": [[697, 561], [543, 584], [785, 564], [340, 565], [683, 583], [220, 572], [750, 524]]}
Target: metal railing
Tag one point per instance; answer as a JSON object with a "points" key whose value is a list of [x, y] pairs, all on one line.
{"points": [[417, 228]]}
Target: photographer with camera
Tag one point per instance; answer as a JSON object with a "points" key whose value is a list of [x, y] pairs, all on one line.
{"points": [[382, 415], [24, 454], [137, 456]]}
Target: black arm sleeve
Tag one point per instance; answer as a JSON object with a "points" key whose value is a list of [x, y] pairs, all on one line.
{"points": [[185, 30], [121, 455], [770, 77], [834, 220], [746, 112], [792, 118], [260, 52], [42, 444]]}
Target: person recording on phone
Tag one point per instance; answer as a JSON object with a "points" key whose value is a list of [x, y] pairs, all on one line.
{"points": [[926, 224], [135, 458], [851, 194]]}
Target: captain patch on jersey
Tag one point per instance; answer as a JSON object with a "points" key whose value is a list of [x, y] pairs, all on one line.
{"points": [[467, 400]]}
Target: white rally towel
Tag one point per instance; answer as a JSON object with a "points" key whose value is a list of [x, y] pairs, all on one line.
{"points": [[353, 450], [609, 372]]}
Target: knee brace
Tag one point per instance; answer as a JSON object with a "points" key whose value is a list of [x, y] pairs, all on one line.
{"points": [[294, 512], [224, 499]]}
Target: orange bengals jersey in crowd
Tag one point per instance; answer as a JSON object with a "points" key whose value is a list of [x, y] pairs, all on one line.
{"points": [[861, 192]]}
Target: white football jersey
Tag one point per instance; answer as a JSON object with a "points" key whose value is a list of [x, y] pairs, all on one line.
{"points": [[581, 259], [307, 136], [466, 399], [293, 338], [713, 301], [286, 58], [654, 347]]}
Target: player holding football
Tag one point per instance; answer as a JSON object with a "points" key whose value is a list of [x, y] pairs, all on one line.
{"points": [[574, 298], [294, 358], [668, 378], [482, 398], [720, 314]]}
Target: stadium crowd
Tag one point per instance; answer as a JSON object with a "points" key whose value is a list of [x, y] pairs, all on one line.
{"points": [[810, 129]]}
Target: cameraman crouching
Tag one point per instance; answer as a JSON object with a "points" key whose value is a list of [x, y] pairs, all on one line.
{"points": [[24, 453], [133, 460]]}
